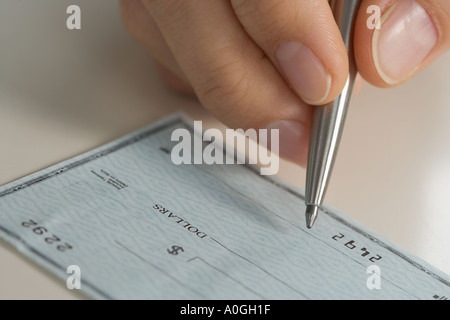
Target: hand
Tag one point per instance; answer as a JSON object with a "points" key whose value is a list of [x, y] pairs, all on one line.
{"points": [[263, 63]]}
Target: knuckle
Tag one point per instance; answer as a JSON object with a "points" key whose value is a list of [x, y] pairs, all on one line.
{"points": [[129, 15], [241, 7], [125, 9], [164, 8], [267, 17], [174, 82], [227, 90]]}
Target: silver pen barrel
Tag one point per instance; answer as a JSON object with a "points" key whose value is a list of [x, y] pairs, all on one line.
{"points": [[328, 120]]}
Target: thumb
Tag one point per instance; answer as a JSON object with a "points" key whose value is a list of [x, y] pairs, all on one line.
{"points": [[410, 36]]}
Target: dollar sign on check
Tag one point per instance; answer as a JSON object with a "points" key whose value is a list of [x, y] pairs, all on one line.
{"points": [[175, 250]]}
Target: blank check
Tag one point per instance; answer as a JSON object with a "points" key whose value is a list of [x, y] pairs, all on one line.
{"points": [[136, 226]]}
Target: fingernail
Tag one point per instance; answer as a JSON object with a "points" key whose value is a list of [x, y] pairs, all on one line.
{"points": [[293, 140], [406, 37], [304, 71]]}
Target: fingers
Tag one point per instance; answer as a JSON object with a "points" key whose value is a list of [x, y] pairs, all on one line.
{"points": [[302, 40], [141, 26], [413, 33], [231, 75], [174, 81]]}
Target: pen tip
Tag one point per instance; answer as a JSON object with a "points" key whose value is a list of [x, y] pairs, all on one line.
{"points": [[311, 214]]}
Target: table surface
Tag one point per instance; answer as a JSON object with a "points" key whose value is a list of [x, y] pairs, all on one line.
{"points": [[65, 92]]}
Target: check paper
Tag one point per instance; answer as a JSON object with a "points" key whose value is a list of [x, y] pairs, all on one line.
{"points": [[138, 226]]}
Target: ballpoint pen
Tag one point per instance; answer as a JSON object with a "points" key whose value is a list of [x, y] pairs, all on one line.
{"points": [[328, 120]]}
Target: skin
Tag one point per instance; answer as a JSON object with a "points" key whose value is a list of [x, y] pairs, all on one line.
{"points": [[224, 52]]}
